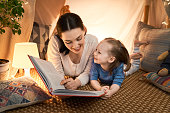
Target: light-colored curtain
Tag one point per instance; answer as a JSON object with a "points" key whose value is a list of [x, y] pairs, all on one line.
{"points": [[115, 18], [8, 40], [47, 12], [46, 16], [157, 13], [44, 12], [110, 18], [103, 18]]}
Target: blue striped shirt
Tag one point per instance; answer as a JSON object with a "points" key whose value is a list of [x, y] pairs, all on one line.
{"points": [[116, 77]]}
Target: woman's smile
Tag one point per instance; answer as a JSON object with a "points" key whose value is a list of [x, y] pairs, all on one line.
{"points": [[76, 49]]}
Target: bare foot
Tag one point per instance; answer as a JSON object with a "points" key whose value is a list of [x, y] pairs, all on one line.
{"points": [[136, 56], [138, 43]]}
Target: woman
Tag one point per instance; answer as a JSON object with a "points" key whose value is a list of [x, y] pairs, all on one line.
{"points": [[71, 51]]}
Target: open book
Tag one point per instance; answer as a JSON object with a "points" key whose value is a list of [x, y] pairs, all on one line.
{"points": [[52, 79]]}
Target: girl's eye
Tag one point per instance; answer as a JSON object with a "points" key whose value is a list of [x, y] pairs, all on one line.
{"points": [[99, 52], [78, 39]]}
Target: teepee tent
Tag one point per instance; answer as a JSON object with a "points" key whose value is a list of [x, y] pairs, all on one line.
{"points": [[102, 18]]}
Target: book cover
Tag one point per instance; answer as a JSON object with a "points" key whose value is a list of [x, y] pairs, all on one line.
{"points": [[52, 79]]}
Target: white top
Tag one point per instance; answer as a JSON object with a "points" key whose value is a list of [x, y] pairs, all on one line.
{"points": [[65, 66]]}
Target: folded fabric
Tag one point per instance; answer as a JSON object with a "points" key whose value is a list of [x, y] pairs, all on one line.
{"points": [[161, 82]]}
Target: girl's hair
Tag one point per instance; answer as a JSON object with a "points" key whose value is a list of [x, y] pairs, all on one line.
{"points": [[121, 54], [67, 22]]}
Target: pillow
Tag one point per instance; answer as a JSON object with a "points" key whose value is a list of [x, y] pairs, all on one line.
{"points": [[40, 35], [140, 26], [161, 82], [20, 92], [159, 42]]}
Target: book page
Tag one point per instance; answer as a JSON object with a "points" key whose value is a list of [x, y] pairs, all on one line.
{"points": [[83, 93], [48, 73]]}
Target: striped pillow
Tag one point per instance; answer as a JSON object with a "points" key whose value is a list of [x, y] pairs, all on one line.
{"points": [[159, 42], [140, 26], [161, 82]]}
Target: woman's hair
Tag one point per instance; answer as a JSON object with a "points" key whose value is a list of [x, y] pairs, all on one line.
{"points": [[121, 54], [67, 22]]}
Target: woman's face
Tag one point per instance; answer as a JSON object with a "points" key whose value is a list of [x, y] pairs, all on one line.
{"points": [[74, 40]]}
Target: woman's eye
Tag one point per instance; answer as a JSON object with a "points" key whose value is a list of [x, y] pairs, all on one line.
{"points": [[99, 52], [68, 42]]}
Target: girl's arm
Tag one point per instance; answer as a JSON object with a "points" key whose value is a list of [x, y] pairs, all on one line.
{"points": [[116, 82], [95, 84], [114, 88]]}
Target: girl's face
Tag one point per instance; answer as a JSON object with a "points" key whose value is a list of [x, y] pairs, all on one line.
{"points": [[101, 55], [74, 40]]}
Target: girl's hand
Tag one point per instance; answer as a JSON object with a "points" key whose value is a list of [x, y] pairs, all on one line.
{"points": [[113, 89], [108, 94], [70, 83], [105, 88]]}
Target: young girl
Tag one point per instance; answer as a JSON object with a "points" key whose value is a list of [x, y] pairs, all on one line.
{"points": [[109, 59]]}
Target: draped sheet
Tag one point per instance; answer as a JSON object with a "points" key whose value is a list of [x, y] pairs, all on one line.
{"points": [[103, 18], [44, 11], [116, 18], [8, 40], [157, 13]]}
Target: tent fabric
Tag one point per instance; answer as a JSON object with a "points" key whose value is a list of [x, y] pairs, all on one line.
{"points": [[157, 13], [102, 18], [45, 12], [116, 18], [46, 16], [8, 40]]}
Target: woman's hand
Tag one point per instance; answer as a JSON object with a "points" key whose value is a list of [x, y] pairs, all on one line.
{"points": [[70, 83]]}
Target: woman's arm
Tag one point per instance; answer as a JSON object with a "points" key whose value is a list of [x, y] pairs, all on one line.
{"points": [[53, 55], [84, 76]]}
